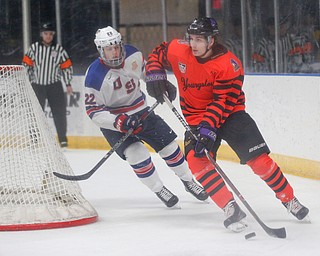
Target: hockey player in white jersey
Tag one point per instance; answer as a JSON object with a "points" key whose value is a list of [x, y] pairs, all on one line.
{"points": [[115, 103]]}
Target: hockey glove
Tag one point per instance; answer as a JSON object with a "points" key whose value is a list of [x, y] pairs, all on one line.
{"points": [[171, 91], [206, 138], [156, 88], [124, 123]]}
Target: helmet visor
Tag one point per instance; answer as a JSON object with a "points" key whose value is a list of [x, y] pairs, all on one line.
{"points": [[113, 55]]}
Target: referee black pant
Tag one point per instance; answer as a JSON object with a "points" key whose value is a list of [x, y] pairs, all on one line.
{"points": [[55, 95]]}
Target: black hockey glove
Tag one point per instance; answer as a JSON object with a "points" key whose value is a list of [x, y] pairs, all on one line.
{"points": [[206, 138], [124, 123], [156, 88], [171, 91]]}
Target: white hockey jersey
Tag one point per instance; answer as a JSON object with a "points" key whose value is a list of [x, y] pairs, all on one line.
{"points": [[109, 92]]}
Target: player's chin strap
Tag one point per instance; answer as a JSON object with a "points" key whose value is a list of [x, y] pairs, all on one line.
{"points": [[274, 232], [87, 175]]}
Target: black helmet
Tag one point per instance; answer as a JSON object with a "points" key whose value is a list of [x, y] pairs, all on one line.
{"points": [[203, 26], [48, 26]]}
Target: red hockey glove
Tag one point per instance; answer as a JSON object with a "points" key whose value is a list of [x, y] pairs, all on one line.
{"points": [[124, 123], [206, 138]]}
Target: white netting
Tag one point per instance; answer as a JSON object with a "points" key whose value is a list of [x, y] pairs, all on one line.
{"points": [[29, 193]]}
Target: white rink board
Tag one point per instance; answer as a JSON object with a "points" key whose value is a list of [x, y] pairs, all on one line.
{"points": [[286, 109]]}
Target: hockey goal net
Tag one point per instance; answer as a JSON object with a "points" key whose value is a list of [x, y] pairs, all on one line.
{"points": [[31, 197]]}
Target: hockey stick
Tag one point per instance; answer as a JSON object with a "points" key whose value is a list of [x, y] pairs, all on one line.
{"points": [[274, 232], [87, 175]]}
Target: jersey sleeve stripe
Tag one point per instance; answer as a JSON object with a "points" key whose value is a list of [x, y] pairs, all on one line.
{"points": [[127, 108], [92, 110], [157, 60]]}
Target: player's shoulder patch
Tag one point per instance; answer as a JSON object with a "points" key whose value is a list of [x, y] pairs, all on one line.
{"points": [[235, 64]]}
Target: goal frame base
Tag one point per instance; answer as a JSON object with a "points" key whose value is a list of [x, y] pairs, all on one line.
{"points": [[40, 226]]}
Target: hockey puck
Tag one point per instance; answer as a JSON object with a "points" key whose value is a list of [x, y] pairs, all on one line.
{"points": [[250, 235]]}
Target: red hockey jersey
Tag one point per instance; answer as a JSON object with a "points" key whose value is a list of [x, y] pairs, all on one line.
{"points": [[211, 89]]}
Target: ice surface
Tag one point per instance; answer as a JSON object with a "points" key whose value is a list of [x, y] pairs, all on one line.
{"points": [[133, 221]]}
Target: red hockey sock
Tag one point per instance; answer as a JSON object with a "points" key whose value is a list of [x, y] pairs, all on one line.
{"points": [[214, 185], [270, 172]]}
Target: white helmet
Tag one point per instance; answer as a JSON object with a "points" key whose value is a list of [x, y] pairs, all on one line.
{"points": [[108, 37]]}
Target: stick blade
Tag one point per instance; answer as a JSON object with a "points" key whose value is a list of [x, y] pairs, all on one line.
{"points": [[277, 232], [72, 177]]}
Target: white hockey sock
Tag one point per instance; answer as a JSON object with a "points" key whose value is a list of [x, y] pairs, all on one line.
{"points": [[139, 158], [175, 159]]}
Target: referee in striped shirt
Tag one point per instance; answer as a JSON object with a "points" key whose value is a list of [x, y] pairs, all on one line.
{"points": [[264, 57], [47, 64]]}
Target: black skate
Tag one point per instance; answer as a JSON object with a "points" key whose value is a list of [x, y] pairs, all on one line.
{"points": [[196, 190], [296, 209], [167, 197], [234, 217]]}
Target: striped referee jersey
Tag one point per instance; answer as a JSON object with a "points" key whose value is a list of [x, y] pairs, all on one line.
{"points": [[48, 64], [264, 59]]}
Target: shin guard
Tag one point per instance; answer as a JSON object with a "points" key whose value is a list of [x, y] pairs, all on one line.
{"points": [[210, 179], [269, 171], [139, 158], [175, 160]]}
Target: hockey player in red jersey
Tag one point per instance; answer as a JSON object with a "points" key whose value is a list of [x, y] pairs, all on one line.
{"points": [[210, 80], [115, 103]]}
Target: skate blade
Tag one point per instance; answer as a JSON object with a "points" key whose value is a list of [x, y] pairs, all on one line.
{"points": [[238, 227], [306, 219], [207, 201], [175, 207]]}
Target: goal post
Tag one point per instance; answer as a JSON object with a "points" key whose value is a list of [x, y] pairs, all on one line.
{"points": [[31, 197]]}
